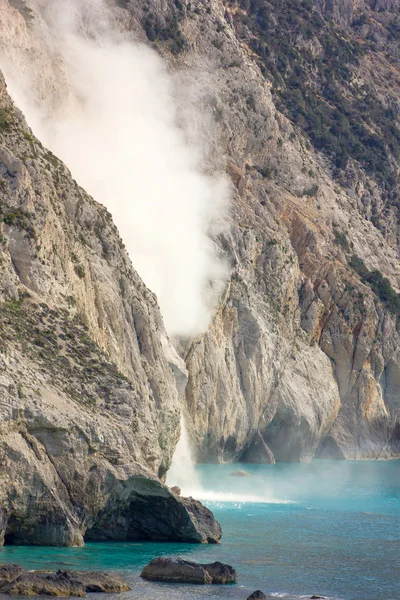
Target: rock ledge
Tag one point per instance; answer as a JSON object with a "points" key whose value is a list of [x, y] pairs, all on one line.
{"points": [[16, 581]]}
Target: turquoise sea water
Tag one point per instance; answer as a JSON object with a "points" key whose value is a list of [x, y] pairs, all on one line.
{"points": [[291, 530]]}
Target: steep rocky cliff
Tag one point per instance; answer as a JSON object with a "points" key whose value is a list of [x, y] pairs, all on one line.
{"points": [[302, 356], [89, 383]]}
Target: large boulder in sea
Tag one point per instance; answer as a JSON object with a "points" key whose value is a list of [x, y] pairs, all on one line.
{"points": [[177, 570]]}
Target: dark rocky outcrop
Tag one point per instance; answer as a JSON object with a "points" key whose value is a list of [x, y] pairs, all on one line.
{"points": [[220, 572], [257, 595], [10, 573], [177, 570], [16, 581], [96, 581], [44, 584]]}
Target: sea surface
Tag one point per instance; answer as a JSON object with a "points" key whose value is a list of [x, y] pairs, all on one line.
{"points": [[291, 530]]}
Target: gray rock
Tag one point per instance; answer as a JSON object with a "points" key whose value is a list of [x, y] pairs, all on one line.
{"points": [[44, 584], [16, 581], [9, 573], [175, 570], [257, 595], [258, 452], [240, 473], [97, 582], [220, 572], [183, 571]]}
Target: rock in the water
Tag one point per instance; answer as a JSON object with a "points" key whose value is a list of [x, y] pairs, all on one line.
{"points": [[175, 570], [316, 597], [10, 573], [41, 584], [257, 595], [240, 473], [183, 571], [16, 581], [97, 581], [206, 528], [221, 573]]}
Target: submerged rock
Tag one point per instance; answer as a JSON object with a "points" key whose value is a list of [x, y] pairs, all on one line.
{"points": [[240, 473], [16, 581], [177, 570], [257, 595]]}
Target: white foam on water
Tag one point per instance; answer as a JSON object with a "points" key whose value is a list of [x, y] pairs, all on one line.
{"points": [[213, 496]]}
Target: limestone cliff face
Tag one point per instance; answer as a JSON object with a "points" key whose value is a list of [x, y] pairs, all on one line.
{"points": [[89, 383], [302, 357]]}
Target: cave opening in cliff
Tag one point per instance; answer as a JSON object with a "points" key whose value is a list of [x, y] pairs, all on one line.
{"points": [[149, 518], [9, 539]]}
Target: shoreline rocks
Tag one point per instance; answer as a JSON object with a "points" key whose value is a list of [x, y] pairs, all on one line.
{"points": [[17, 581], [177, 570]]}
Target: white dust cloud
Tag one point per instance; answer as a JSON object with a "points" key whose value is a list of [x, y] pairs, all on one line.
{"points": [[118, 132]]}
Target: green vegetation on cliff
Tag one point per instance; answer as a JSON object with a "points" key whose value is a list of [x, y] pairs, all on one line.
{"points": [[310, 63]]}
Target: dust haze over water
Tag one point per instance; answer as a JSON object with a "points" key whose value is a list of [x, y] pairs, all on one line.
{"points": [[111, 114]]}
